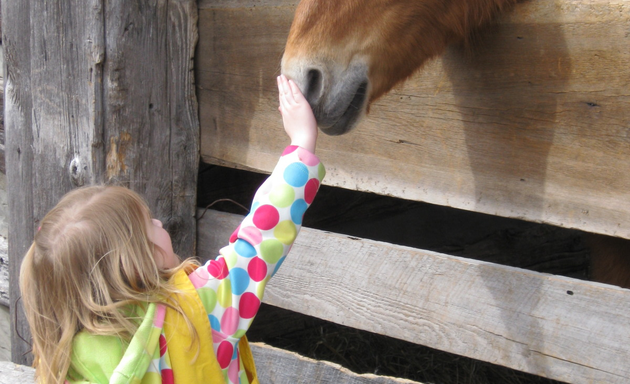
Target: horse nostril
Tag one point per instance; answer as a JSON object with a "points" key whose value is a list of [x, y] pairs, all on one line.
{"points": [[314, 85]]}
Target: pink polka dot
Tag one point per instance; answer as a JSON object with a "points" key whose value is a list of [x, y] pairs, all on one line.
{"points": [[224, 354], [199, 277], [310, 190], [266, 217], [289, 149], [218, 269], [229, 321], [218, 337], [248, 306], [233, 371], [234, 235], [160, 312], [307, 157], [252, 235], [162, 345], [167, 376], [257, 269]]}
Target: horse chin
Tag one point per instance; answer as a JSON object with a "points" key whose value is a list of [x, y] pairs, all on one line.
{"points": [[350, 117]]}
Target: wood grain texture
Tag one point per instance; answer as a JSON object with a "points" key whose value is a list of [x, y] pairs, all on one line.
{"points": [[150, 109], [532, 122], [278, 366], [11, 373], [98, 92], [565, 329]]}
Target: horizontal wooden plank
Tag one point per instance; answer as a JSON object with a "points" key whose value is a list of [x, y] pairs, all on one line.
{"points": [[11, 373], [565, 329], [282, 367], [533, 125], [218, 4]]}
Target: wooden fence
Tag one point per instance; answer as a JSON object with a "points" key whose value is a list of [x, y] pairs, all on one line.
{"points": [[533, 125]]}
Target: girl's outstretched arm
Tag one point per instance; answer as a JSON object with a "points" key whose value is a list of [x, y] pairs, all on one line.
{"points": [[297, 115], [231, 287]]}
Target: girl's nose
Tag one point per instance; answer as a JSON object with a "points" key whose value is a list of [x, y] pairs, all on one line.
{"points": [[157, 223]]}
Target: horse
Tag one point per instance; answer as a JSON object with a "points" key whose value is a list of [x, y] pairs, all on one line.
{"points": [[344, 55]]}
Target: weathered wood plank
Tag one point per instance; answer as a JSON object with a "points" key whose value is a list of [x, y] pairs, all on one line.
{"points": [[5, 287], [99, 92], [282, 367], [18, 153], [11, 373], [2, 162], [556, 327], [533, 125], [151, 109]]}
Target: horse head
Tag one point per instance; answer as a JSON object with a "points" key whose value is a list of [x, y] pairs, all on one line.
{"points": [[345, 54]]}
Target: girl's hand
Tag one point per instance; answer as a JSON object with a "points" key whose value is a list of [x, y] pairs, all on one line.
{"points": [[297, 115]]}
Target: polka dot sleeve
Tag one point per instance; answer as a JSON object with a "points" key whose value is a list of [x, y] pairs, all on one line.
{"points": [[231, 287]]}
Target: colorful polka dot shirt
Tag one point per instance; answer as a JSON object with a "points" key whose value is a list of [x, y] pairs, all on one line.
{"points": [[231, 287]]}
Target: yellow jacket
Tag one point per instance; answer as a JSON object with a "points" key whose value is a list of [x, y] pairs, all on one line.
{"points": [[109, 359]]}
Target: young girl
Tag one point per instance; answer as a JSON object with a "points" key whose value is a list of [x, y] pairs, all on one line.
{"points": [[108, 301]]}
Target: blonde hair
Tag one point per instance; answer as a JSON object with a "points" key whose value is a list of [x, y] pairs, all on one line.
{"points": [[90, 264]]}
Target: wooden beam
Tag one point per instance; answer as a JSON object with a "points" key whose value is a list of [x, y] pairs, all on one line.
{"points": [[98, 92], [278, 366], [11, 373], [532, 125], [569, 330]]}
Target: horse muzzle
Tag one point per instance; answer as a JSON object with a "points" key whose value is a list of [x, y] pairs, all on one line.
{"points": [[338, 96]]}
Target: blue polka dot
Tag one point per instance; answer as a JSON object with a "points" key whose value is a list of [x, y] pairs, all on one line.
{"points": [[240, 280], [244, 248], [296, 175], [254, 206], [214, 323], [278, 265], [297, 211], [235, 353]]}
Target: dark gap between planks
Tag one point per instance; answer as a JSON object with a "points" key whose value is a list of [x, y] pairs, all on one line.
{"points": [[517, 243]]}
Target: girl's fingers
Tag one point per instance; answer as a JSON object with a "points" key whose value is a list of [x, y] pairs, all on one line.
{"points": [[286, 83], [295, 90], [280, 91], [284, 103], [282, 86]]}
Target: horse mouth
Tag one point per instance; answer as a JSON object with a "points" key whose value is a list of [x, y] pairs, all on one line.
{"points": [[351, 116]]}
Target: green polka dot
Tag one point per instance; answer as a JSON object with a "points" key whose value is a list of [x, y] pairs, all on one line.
{"points": [[208, 298], [321, 171], [261, 287], [285, 231], [282, 195], [240, 333], [149, 377], [224, 294], [231, 259], [271, 250]]}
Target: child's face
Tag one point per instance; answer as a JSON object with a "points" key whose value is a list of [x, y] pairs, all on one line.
{"points": [[165, 258]]}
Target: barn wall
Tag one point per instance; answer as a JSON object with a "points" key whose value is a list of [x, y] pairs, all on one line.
{"points": [[564, 329], [97, 92], [532, 124]]}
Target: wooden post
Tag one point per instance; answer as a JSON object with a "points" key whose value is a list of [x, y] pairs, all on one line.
{"points": [[98, 92]]}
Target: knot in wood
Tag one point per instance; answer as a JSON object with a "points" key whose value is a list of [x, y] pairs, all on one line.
{"points": [[76, 172]]}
